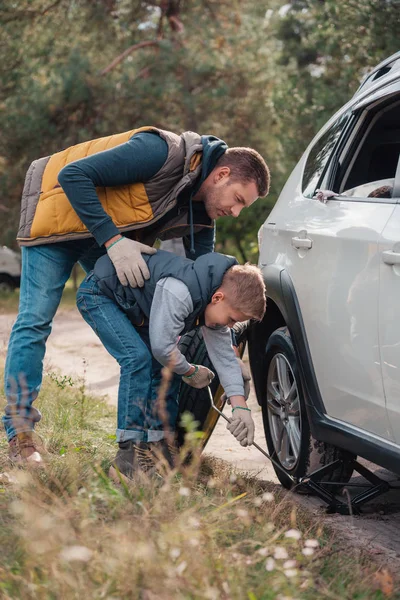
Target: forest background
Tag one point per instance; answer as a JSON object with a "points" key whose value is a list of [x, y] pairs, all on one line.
{"points": [[266, 74]]}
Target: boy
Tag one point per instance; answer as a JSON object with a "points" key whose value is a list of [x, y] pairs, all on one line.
{"points": [[214, 292]]}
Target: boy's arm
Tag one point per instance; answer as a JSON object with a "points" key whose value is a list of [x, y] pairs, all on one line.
{"points": [[219, 347], [172, 304], [223, 357]]}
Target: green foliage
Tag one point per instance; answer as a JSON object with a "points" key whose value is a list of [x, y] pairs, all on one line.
{"points": [[265, 75]]}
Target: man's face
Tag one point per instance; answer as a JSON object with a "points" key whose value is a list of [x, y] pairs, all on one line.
{"points": [[219, 313], [223, 197]]}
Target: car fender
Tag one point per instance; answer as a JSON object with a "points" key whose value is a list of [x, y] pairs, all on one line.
{"points": [[283, 310]]}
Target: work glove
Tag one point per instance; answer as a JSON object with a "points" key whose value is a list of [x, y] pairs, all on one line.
{"points": [[126, 256], [200, 378], [246, 380], [242, 426]]}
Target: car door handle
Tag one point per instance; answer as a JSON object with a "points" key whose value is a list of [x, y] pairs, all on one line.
{"points": [[304, 243], [391, 258]]}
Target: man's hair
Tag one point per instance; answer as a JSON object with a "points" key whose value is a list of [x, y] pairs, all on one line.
{"points": [[247, 165], [244, 288]]}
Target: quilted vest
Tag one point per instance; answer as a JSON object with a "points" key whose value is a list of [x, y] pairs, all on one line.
{"points": [[47, 215], [202, 277]]}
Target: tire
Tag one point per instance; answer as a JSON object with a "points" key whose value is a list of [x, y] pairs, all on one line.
{"points": [[7, 284], [286, 425], [196, 401]]}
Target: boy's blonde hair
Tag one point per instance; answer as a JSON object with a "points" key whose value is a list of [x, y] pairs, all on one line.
{"points": [[244, 288]]}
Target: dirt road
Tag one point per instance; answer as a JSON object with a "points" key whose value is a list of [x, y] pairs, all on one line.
{"points": [[73, 349]]}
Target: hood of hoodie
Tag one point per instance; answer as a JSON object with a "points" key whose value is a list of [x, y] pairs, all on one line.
{"points": [[212, 149]]}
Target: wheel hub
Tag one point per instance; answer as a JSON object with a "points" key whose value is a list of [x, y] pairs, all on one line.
{"points": [[284, 411]]}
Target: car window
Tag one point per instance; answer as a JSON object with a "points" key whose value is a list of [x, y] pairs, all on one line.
{"points": [[382, 188], [368, 169], [319, 154]]}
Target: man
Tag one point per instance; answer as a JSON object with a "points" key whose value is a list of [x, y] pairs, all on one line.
{"points": [[146, 184]]}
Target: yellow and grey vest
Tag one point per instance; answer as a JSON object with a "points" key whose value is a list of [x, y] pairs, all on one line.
{"points": [[47, 215]]}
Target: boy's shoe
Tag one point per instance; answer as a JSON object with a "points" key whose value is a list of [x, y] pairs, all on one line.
{"points": [[125, 462], [133, 459], [138, 459], [23, 450], [163, 451]]}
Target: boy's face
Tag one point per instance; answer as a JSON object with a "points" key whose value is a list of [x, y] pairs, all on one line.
{"points": [[219, 312]]}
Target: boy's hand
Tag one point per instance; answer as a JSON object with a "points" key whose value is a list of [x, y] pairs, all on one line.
{"points": [[242, 426], [126, 256], [200, 378]]}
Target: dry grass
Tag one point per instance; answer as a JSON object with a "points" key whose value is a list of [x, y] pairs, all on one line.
{"points": [[66, 532]]}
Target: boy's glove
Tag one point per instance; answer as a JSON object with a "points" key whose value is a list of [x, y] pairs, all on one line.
{"points": [[126, 256], [246, 380], [200, 378], [242, 426]]}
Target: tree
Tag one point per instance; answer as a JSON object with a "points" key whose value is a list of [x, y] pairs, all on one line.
{"points": [[262, 75]]}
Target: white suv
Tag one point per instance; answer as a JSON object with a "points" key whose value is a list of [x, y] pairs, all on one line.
{"points": [[326, 358]]}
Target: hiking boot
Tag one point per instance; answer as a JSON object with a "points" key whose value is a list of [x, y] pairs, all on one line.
{"points": [[124, 464], [135, 459], [162, 451], [23, 450]]}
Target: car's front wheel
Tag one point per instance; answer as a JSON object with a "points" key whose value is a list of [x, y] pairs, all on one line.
{"points": [[286, 425]]}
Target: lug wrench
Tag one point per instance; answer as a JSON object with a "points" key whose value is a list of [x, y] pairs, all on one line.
{"points": [[277, 465]]}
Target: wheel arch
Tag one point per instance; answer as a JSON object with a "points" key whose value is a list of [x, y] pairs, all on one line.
{"points": [[283, 310]]}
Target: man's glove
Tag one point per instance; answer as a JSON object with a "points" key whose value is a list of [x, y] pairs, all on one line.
{"points": [[246, 380], [242, 426], [200, 378], [126, 256]]}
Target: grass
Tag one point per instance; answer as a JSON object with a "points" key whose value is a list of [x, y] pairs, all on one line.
{"points": [[67, 532]]}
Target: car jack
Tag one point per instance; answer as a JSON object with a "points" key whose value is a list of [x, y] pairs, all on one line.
{"points": [[314, 484]]}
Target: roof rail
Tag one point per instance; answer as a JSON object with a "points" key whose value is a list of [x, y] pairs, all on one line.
{"points": [[382, 66]]}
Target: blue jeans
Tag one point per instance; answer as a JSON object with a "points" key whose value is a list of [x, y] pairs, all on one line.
{"points": [[139, 417], [45, 270]]}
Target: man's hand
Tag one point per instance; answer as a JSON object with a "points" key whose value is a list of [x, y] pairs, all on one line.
{"points": [[126, 256], [200, 378], [242, 426]]}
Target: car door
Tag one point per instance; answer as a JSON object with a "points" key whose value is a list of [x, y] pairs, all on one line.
{"points": [[332, 255], [389, 311]]}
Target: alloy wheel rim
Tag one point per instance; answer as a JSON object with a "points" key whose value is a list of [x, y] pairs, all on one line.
{"points": [[283, 407]]}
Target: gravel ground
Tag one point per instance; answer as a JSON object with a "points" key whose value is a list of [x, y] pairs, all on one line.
{"points": [[74, 349]]}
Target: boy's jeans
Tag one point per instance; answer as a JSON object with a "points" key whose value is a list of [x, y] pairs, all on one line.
{"points": [[138, 414], [45, 270]]}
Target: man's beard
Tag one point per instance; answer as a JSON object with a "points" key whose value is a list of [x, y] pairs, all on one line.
{"points": [[210, 201]]}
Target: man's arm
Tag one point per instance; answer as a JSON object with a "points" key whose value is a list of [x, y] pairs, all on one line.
{"points": [[137, 160], [172, 304]]}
